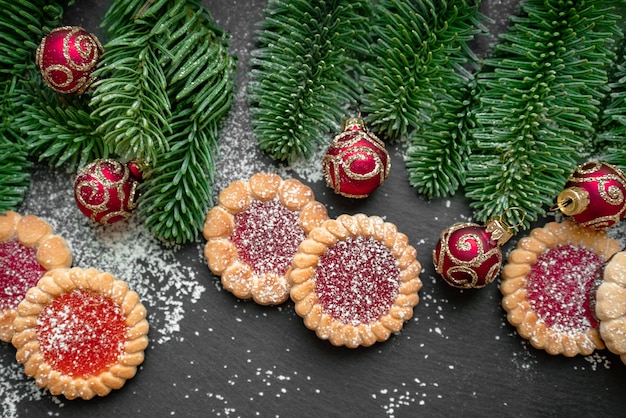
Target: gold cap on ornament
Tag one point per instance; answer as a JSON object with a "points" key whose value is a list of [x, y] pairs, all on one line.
{"points": [[500, 231], [572, 201], [352, 122]]}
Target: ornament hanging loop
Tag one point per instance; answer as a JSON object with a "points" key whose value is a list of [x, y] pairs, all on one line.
{"points": [[501, 231]]}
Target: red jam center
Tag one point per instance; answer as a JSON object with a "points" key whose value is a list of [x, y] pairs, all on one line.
{"points": [[19, 271], [267, 236], [559, 287], [357, 280], [81, 333]]}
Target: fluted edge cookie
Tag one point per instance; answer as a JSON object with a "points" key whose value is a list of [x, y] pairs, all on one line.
{"points": [[548, 285], [80, 333], [254, 231], [611, 305], [355, 280], [28, 248]]}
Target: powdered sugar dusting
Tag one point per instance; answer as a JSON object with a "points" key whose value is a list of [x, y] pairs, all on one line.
{"points": [[357, 280], [19, 270], [166, 287], [267, 236], [559, 287]]}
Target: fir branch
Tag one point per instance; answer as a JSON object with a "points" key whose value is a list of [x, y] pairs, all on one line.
{"points": [[436, 157], [542, 91], [195, 79], [23, 24], [14, 164], [130, 94], [302, 76], [58, 127], [612, 138], [421, 50]]}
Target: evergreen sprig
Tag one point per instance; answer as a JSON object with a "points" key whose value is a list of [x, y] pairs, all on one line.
{"points": [[421, 51], [130, 95], [540, 100], [303, 75], [59, 128], [612, 138], [188, 76], [22, 24]]}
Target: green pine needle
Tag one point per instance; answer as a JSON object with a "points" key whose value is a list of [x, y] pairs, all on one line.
{"points": [[613, 131], [541, 95], [22, 25], [421, 50], [169, 84], [303, 73]]}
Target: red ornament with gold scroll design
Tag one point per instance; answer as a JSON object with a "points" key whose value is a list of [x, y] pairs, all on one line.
{"points": [[594, 195], [468, 255], [67, 57], [356, 162], [106, 190]]}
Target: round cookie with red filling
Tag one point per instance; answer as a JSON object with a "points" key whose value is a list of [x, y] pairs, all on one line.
{"points": [[80, 333], [549, 284], [611, 305], [28, 248], [254, 231], [355, 280]]}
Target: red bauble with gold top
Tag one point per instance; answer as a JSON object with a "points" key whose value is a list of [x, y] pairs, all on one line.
{"points": [[67, 57], [106, 190], [356, 162], [468, 255], [594, 195]]}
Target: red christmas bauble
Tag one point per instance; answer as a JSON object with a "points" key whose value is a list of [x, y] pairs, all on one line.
{"points": [[106, 191], [468, 255], [356, 162], [66, 58], [594, 195]]}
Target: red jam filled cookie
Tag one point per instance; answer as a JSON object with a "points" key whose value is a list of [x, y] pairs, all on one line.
{"points": [[28, 248], [611, 305], [254, 231], [548, 287], [355, 280], [80, 333]]}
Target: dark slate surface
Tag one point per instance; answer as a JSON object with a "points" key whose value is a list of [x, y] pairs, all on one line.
{"points": [[212, 355]]}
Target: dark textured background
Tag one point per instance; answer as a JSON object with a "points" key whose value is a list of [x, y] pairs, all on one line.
{"points": [[457, 356]]}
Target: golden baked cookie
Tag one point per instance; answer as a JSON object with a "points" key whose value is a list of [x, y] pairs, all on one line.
{"points": [[28, 248], [355, 280], [548, 286], [611, 305], [80, 333], [254, 231]]}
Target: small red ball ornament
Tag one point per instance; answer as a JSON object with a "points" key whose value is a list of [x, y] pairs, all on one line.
{"points": [[106, 190], [356, 162], [594, 195], [66, 58], [468, 255]]}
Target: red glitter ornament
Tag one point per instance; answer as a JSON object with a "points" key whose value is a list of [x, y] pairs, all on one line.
{"points": [[594, 195], [106, 190], [66, 58], [356, 162], [468, 255]]}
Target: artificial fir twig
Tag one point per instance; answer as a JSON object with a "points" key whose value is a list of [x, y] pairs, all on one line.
{"points": [[20, 23], [540, 99], [420, 86], [184, 71], [302, 77], [420, 52], [612, 138]]}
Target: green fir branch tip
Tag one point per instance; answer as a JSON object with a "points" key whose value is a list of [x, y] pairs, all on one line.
{"points": [[177, 64], [540, 100], [303, 73], [420, 52]]}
